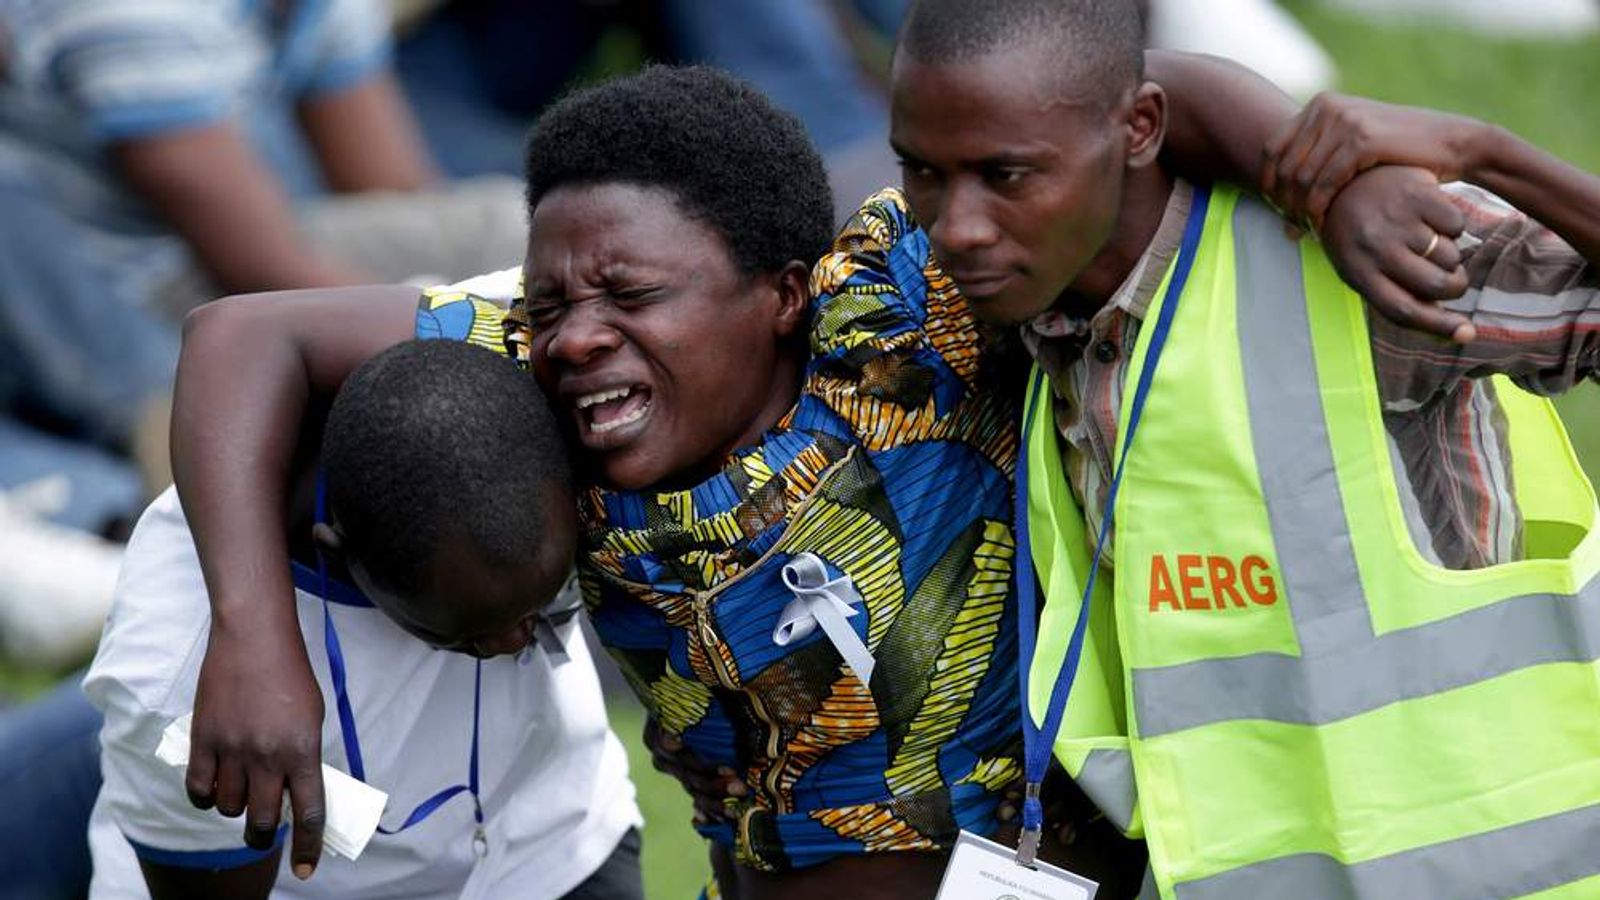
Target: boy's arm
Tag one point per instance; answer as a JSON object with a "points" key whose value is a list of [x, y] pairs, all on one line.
{"points": [[1222, 121], [249, 369]]}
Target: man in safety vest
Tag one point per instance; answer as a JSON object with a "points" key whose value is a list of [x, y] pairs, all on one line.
{"points": [[1342, 641]]}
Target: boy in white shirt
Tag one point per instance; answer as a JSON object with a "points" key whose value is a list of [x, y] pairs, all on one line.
{"points": [[411, 537]]}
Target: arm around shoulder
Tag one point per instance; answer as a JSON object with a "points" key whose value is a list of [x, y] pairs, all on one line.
{"points": [[1220, 116], [248, 374], [1554, 193]]}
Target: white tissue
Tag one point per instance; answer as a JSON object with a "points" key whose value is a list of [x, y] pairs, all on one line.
{"points": [[353, 807]]}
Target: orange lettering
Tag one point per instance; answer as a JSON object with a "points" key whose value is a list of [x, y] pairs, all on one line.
{"points": [[1263, 590], [1161, 586], [1187, 563], [1222, 581]]}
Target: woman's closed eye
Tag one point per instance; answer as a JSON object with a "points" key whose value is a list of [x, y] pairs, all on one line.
{"points": [[542, 311], [636, 296]]}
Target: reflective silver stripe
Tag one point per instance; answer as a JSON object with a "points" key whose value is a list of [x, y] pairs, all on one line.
{"points": [[1148, 890], [1344, 669], [1293, 454], [1509, 862], [1107, 777], [1403, 665]]}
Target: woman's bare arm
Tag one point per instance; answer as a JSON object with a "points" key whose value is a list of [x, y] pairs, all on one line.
{"points": [[1225, 122], [1220, 116], [249, 371]]}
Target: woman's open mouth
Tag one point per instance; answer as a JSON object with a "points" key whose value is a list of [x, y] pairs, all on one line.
{"points": [[604, 412]]}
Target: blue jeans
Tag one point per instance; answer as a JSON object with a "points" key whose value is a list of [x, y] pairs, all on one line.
{"points": [[49, 777], [618, 878], [100, 487], [76, 347], [477, 74], [78, 353], [794, 52]]}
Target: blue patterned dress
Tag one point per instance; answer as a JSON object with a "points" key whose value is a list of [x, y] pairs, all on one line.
{"points": [[893, 468]]}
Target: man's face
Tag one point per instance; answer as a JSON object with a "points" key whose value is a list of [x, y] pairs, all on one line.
{"points": [[470, 605], [1018, 186], [659, 353]]}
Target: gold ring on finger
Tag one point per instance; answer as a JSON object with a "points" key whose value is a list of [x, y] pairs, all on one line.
{"points": [[1432, 243]]}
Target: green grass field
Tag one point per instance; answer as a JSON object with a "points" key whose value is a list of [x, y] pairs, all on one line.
{"points": [[675, 862]]}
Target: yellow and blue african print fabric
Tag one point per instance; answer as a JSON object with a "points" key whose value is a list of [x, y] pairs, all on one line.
{"points": [[894, 469], [454, 314]]}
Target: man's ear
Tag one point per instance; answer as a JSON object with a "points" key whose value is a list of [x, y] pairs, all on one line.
{"points": [[329, 539], [1146, 125], [793, 284]]}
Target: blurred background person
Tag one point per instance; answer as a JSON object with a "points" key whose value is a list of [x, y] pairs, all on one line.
{"points": [[479, 71], [154, 155]]}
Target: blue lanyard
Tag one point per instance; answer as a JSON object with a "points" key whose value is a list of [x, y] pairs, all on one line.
{"points": [[1038, 740], [347, 719]]}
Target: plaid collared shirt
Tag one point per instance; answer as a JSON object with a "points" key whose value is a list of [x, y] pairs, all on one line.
{"points": [[1536, 305]]}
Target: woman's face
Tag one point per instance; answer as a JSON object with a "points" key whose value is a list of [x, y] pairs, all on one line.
{"points": [[659, 354]]}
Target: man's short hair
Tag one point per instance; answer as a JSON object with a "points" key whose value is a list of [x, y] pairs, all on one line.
{"points": [[1099, 44], [431, 440], [732, 159]]}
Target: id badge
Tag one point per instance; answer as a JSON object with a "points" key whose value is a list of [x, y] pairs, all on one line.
{"points": [[981, 869]]}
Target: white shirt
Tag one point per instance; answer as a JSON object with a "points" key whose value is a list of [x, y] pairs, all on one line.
{"points": [[554, 781]]}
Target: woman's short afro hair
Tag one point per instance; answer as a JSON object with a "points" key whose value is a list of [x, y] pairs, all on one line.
{"points": [[732, 159]]}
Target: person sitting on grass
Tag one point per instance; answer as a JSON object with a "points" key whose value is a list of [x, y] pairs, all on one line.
{"points": [[796, 537], [438, 517]]}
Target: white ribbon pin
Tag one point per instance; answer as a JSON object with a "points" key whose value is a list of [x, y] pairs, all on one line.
{"points": [[819, 600], [353, 807]]}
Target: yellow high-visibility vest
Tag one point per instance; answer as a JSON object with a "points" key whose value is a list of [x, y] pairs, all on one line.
{"points": [[1279, 692]]}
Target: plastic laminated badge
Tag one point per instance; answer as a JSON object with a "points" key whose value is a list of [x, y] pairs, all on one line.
{"points": [[981, 869], [353, 807]]}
